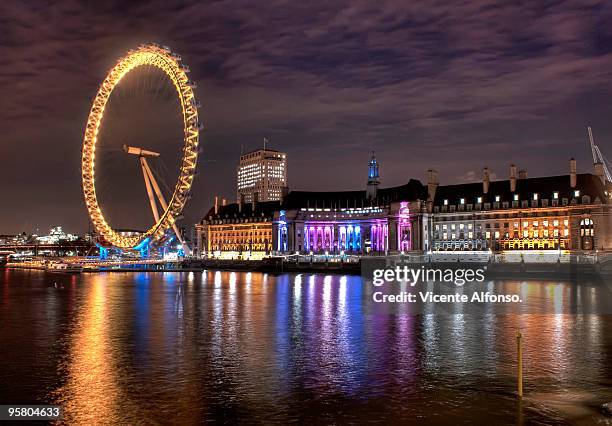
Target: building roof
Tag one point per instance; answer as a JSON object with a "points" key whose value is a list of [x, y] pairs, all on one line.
{"points": [[413, 190], [587, 183], [232, 211], [261, 149]]}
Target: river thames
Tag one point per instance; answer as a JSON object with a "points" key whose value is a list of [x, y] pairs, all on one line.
{"points": [[158, 348]]}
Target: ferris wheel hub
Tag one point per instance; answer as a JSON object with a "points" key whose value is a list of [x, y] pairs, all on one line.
{"points": [[139, 151]]}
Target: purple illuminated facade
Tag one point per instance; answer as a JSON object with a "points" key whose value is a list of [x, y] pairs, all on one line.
{"points": [[372, 229], [374, 221]]}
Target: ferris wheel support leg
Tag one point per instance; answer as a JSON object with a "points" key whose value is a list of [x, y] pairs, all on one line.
{"points": [[143, 162], [163, 203]]}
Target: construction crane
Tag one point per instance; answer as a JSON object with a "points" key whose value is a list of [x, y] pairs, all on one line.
{"points": [[598, 157]]}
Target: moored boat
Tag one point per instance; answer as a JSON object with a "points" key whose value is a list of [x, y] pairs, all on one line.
{"points": [[66, 268]]}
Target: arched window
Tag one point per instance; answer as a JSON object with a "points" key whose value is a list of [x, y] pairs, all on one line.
{"points": [[586, 227]]}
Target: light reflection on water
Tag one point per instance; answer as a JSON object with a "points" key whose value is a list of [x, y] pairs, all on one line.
{"points": [[182, 347]]}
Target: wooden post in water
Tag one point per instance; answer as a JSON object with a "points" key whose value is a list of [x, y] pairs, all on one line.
{"points": [[519, 351]]}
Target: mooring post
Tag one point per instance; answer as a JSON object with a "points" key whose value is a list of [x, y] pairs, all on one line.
{"points": [[519, 350]]}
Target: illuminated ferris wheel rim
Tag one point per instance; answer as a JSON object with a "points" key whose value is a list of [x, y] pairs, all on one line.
{"points": [[162, 58]]}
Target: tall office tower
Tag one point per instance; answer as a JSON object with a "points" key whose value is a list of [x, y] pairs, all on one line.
{"points": [[262, 176]]}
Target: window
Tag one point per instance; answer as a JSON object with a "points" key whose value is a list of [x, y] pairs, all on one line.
{"points": [[565, 222], [496, 234], [461, 200], [453, 226], [444, 227], [516, 224], [446, 202], [445, 236], [453, 235], [525, 234], [577, 193], [479, 200], [469, 226], [437, 227], [461, 226], [556, 222], [525, 224], [515, 197], [545, 232], [470, 234], [497, 198], [488, 234], [535, 197], [535, 223], [566, 232], [544, 223], [555, 195], [536, 234]]}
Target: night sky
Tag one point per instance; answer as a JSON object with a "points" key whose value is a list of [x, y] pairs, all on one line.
{"points": [[454, 86]]}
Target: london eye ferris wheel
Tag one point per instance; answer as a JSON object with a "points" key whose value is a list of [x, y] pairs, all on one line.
{"points": [[165, 210]]}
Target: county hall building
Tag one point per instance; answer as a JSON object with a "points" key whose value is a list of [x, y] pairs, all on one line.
{"points": [[566, 212]]}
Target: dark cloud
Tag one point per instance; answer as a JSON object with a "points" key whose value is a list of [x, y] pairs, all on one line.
{"points": [[450, 85]]}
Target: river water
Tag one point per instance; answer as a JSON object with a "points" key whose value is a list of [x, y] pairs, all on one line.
{"points": [[159, 348]]}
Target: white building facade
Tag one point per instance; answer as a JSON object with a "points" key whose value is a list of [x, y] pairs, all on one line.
{"points": [[262, 176]]}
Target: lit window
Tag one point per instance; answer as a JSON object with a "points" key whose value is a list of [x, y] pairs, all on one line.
{"points": [[496, 234], [453, 235], [469, 226], [453, 226], [545, 222], [515, 197], [535, 223], [556, 232], [470, 234], [444, 226], [497, 198], [462, 201], [535, 197], [479, 200], [556, 195], [566, 232], [446, 202], [461, 226], [556, 222], [445, 236], [546, 232], [565, 222], [577, 193], [488, 234], [516, 224], [536, 234], [437, 227], [525, 224], [525, 234]]}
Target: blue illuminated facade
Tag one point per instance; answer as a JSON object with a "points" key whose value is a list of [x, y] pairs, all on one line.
{"points": [[374, 221]]}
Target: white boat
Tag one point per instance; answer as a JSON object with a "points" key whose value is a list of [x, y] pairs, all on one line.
{"points": [[66, 268]]}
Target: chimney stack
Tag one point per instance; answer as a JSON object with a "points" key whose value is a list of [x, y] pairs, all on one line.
{"points": [[512, 177], [572, 173], [216, 204], [432, 184], [485, 180], [522, 174]]}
